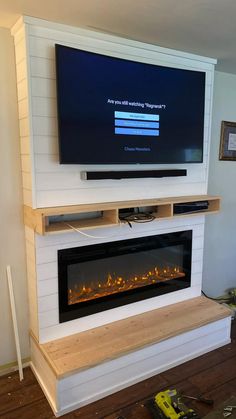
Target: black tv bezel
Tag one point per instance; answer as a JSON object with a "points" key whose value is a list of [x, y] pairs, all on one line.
{"points": [[141, 164]]}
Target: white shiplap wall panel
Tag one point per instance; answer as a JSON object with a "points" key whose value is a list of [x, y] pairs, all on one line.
{"points": [[23, 108], [47, 287], [48, 252], [21, 70], [22, 89], [56, 184], [44, 125], [27, 197], [44, 107], [23, 82], [27, 180], [44, 47], [47, 271], [20, 51], [75, 196], [42, 67], [47, 183], [25, 163], [47, 303], [56, 331], [60, 181], [123, 231], [24, 127], [43, 87], [46, 145], [25, 145]]}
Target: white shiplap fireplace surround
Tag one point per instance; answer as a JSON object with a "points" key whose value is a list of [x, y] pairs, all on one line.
{"points": [[46, 183]]}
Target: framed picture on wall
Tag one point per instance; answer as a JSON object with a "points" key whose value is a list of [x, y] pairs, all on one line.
{"points": [[228, 141]]}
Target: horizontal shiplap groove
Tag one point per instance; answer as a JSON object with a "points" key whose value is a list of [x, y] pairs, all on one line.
{"points": [[51, 177], [49, 254], [45, 163], [44, 107], [75, 197], [124, 231], [53, 188], [57, 184], [20, 51], [21, 70], [42, 87], [42, 67], [24, 145], [44, 47], [47, 247], [50, 318], [19, 36], [56, 330], [41, 63], [56, 31], [48, 271], [22, 89]]}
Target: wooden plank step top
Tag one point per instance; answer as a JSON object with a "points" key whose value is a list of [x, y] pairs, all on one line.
{"points": [[87, 349]]}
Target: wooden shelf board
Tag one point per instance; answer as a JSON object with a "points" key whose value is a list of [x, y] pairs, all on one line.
{"points": [[63, 227], [102, 206], [39, 219], [93, 347]]}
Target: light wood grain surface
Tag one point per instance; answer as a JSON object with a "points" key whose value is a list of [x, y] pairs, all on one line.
{"points": [[95, 346]]}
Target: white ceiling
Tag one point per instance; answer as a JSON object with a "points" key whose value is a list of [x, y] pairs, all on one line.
{"points": [[205, 27]]}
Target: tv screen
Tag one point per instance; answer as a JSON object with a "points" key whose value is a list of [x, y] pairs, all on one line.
{"points": [[117, 111]]}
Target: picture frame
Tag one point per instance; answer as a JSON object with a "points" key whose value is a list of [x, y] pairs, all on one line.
{"points": [[228, 141]]}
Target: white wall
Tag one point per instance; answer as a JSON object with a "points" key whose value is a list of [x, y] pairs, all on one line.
{"points": [[220, 232], [12, 232]]}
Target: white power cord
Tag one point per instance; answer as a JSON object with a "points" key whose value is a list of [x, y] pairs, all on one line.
{"points": [[89, 235]]}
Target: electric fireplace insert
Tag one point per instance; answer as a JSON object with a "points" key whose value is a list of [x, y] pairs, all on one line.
{"points": [[100, 277]]}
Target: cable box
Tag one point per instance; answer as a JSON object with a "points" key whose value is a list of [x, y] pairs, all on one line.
{"points": [[186, 207]]}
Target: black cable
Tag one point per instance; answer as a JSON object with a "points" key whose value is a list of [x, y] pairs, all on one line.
{"points": [[139, 217], [215, 299]]}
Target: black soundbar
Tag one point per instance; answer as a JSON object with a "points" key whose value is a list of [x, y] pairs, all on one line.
{"points": [[133, 174]]}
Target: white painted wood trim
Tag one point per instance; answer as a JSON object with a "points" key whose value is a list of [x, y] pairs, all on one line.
{"points": [[45, 376], [104, 36]]}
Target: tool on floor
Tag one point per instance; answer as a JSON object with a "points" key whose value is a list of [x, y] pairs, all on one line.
{"points": [[210, 402], [226, 414], [228, 411], [168, 403]]}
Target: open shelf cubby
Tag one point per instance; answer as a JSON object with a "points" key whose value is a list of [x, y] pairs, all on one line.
{"points": [[54, 220]]}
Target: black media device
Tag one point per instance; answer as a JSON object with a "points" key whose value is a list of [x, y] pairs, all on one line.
{"points": [[186, 207], [117, 111]]}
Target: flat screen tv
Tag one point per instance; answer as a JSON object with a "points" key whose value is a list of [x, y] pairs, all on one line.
{"points": [[118, 111]]}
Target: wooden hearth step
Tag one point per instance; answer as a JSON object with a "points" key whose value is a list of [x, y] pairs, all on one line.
{"points": [[93, 347]]}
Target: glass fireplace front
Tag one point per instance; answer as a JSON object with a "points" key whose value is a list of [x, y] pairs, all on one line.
{"points": [[99, 277]]}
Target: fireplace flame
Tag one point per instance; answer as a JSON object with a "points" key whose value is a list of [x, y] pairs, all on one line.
{"points": [[115, 284]]}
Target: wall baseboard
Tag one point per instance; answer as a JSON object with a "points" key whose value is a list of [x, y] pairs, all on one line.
{"points": [[12, 367]]}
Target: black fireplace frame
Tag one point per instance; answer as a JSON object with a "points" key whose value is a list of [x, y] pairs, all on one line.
{"points": [[104, 250]]}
